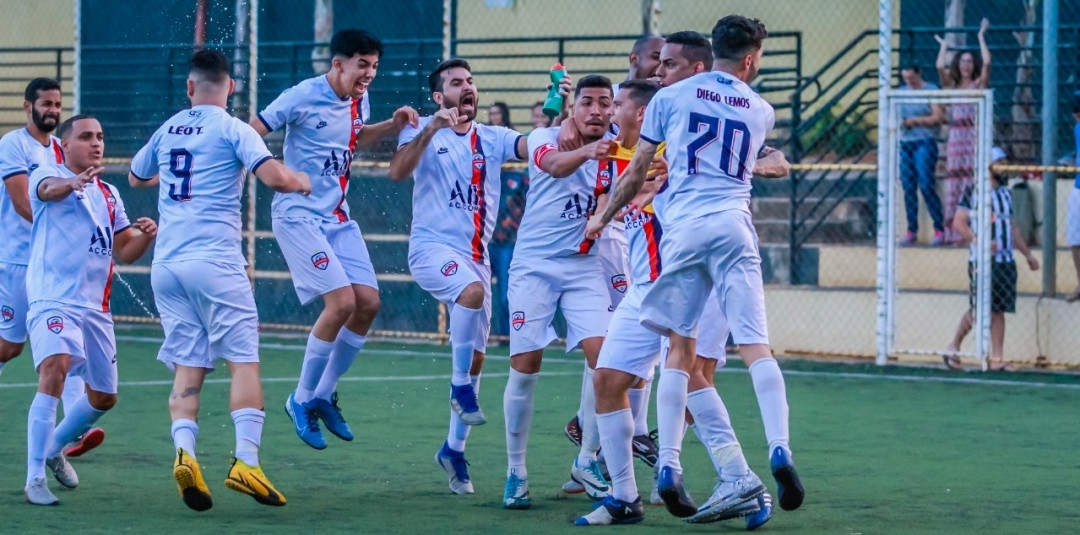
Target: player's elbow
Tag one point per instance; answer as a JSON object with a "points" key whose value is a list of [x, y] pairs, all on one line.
{"points": [[397, 171]]}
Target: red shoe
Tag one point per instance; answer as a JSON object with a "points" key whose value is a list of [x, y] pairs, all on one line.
{"points": [[573, 431], [90, 440]]}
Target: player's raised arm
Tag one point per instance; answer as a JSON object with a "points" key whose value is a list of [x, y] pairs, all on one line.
{"points": [[772, 164], [282, 179], [374, 133], [54, 188], [408, 155], [561, 164], [628, 185]]}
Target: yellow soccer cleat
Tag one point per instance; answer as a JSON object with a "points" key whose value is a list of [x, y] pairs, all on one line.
{"points": [[252, 481], [189, 478]]}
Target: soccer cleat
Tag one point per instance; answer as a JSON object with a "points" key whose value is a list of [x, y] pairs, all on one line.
{"points": [[252, 481], [789, 489], [730, 499], [645, 448], [90, 440], [38, 493], [613, 511], [305, 422], [669, 484], [330, 414], [457, 469], [516, 493], [758, 519], [63, 471], [654, 496], [463, 401], [573, 431], [189, 479], [573, 487], [591, 478]]}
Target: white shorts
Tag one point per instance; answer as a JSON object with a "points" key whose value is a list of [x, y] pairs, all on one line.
{"points": [[717, 251], [13, 305], [208, 312], [629, 346], [323, 256], [1072, 219], [614, 250], [573, 283], [713, 331], [444, 273], [83, 333]]}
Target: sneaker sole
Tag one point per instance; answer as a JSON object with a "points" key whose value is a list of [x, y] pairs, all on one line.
{"points": [[193, 497], [745, 507], [573, 487], [790, 490], [346, 438], [674, 506], [517, 506], [50, 504], [92, 439], [233, 484], [649, 460]]}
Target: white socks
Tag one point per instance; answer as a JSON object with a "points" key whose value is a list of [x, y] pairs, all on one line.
{"points": [[639, 405], [590, 436], [671, 415], [184, 434], [459, 431], [342, 356], [316, 356], [249, 426], [464, 325], [616, 432], [74, 388], [78, 419], [772, 401], [39, 432], [714, 429], [518, 412]]}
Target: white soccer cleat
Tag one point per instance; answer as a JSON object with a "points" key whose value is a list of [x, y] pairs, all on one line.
{"points": [[731, 499], [573, 487], [63, 471], [590, 477], [38, 493]]}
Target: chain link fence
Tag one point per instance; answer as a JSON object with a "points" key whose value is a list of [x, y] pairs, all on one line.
{"points": [[818, 228]]}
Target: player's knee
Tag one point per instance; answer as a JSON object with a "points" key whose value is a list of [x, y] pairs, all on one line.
{"points": [[340, 304], [526, 362], [9, 350], [101, 401], [472, 296], [368, 307]]}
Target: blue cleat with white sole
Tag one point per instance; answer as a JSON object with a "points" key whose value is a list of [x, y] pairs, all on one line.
{"points": [[516, 493], [305, 421], [463, 401], [457, 469], [789, 489], [330, 414]]}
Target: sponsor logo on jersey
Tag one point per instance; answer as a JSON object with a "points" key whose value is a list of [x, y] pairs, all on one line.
{"points": [[321, 125], [101, 241], [320, 260], [449, 269], [55, 324], [466, 198], [576, 209], [32, 167], [7, 313], [619, 283], [517, 320], [443, 150], [334, 166]]}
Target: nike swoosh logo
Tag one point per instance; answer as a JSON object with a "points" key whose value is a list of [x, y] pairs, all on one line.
{"points": [[265, 486], [590, 483]]}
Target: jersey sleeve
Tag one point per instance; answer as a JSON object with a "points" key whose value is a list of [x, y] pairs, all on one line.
{"points": [[541, 142], [410, 132], [145, 165], [37, 177], [248, 146], [13, 158], [656, 116], [365, 108], [120, 217], [282, 111], [508, 141]]}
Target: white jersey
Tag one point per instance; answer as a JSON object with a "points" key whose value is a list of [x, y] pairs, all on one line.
{"points": [[715, 126], [320, 138], [71, 242], [200, 155], [556, 209], [457, 184], [20, 154]]}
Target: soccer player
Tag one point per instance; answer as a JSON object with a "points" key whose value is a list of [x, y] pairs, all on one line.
{"points": [[456, 163], [200, 285], [554, 265], [71, 328], [324, 249], [715, 126], [22, 151]]}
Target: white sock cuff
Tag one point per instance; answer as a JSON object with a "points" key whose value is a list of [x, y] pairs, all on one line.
{"points": [[523, 379], [701, 392], [46, 401], [610, 415], [320, 347], [353, 340], [248, 415], [763, 362], [184, 423], [676, 371]]}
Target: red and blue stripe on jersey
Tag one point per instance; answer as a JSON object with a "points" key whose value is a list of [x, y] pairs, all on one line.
{"points": [[356, 124], [479, 175]]}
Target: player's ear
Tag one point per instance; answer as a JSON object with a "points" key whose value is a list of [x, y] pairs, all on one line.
{"points": [[232, 86], [640, 115], [437, 97], [27, 106], [190, 88]]}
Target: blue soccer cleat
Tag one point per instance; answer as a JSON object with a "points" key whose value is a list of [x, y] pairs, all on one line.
{"points": [[612, 511], [457, 469], [463, 401], [758, 519], [330, 414], [789, 489], [669, 484], [516, 493], [305, 422]]}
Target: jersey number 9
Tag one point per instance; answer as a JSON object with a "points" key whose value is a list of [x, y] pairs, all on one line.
{"points": [[180, 161]]}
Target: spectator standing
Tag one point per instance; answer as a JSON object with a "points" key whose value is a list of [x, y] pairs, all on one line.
{"points": [[918, 157], [539, 120], [499, 115]]}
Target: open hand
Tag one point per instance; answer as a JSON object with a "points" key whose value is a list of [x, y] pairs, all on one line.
{"points": [[146, 226], [406, 115]]}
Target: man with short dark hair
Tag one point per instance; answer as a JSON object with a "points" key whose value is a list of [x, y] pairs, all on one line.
{"points": [[456, 164], [684, 54], [918, 157], [323, 247], [69, 322]]}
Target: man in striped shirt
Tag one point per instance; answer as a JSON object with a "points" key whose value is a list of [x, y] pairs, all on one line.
{"points": [[1004, 236]]}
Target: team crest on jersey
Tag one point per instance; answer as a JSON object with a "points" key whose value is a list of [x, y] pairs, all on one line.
{"points": [[517, 320], [55, 324], [478, 161], [619, 283], [7, 313], [320, 260], [357, 125], [449, 269], [605, 178]]}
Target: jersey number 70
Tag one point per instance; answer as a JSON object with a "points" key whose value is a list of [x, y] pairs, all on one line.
{"points": [[736, 138]]}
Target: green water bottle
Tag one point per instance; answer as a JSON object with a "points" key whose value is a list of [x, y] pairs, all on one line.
{"points": [[553, 106]]}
